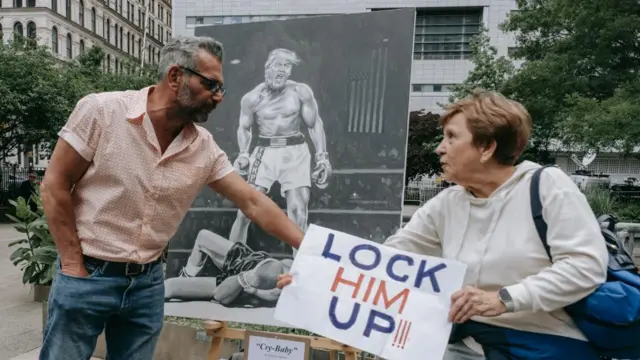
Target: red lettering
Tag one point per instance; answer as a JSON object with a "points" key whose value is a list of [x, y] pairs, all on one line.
{"points": [[340, 280], [382, 293]]}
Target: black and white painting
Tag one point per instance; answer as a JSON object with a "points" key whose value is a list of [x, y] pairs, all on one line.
{"points": [[316, 117]]}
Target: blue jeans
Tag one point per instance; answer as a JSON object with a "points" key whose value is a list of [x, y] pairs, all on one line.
{"points": [[130, 310]]}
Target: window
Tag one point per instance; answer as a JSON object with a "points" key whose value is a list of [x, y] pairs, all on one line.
{"points": [[121, 10], [69, 47], [1, 34], [54, 40], [117, 65], [108, 31], [81, 12], [108, 62], [17, 29], [17, 3], [93, 19], [139, 18], [81, 47], [128, 43], [116, 34], [54, 5], [139, 48], [445, 36], [31, 30], [159, 33], [121, 42], [68, 9], [31, 3], [431, 87]]}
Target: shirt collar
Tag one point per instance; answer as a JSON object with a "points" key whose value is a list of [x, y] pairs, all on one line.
{"points": [[138, 106]]}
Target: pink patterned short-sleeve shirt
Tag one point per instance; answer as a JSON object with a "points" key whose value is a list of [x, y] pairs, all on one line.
{"points": [[132, 198]]}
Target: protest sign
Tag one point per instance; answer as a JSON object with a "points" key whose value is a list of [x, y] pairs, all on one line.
{"points": [[390, 303]]}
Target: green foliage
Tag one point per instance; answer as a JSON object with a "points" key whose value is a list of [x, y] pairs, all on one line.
{"points": [[39, 91], [602, 202], [32, 95], [425, 134], [36, 254], [490, 71], [580, 79]]}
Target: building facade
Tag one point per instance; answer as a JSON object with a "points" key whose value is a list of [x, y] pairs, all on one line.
{"points": [[441, 42], [71, 27]]}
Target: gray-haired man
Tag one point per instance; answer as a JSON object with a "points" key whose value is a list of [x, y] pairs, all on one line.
{"points": [[135, 161]]}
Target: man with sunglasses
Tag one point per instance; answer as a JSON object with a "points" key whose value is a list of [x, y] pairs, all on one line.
{"points": [[121, 178]]}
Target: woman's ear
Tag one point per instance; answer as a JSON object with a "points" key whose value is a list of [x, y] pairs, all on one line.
{"points": [[487, 152]]}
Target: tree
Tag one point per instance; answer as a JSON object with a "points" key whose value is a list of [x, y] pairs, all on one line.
{"points": [[38, 91], [579, 80], [32, 94], [490, 71], [425, 134], [493, 72]]}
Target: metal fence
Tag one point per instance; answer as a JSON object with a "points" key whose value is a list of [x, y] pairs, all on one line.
{"points": [[420, 191]]}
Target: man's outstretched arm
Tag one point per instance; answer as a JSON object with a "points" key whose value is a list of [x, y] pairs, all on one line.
{"points": [[258, 208]]}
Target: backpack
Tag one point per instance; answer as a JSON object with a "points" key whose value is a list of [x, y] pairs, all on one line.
{"points": [[610, 316]]}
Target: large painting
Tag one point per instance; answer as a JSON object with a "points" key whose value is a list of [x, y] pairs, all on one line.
{"points": [[315, 116]]}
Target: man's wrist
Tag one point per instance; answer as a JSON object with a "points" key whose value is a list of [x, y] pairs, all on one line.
{"points": [[322, 156]]}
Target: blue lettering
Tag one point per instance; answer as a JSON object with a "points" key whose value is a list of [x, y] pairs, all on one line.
{"points": [[334, 319], [424, 272], [371, 323], [363, 247], [326, 252], [392, 261]]}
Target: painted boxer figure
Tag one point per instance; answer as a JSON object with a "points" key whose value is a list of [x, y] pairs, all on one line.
{"points": [[279, 107]]}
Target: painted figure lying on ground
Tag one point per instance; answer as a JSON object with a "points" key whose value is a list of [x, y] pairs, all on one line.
{"points": [[247, 277]]}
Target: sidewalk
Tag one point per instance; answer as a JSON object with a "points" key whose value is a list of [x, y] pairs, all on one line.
{"points": [[20, 317]]}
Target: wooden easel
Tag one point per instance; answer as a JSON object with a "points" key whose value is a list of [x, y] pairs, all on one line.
{"points": [[219, 331]]}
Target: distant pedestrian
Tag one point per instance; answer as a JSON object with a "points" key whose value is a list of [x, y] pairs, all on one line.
{"points": [[122, 176], [27, 190]]}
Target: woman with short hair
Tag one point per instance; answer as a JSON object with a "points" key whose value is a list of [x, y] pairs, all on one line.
{"points": [[511, 305]]}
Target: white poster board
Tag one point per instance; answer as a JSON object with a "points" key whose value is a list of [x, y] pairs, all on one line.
{"points": [[273, 346], [390, 303]]}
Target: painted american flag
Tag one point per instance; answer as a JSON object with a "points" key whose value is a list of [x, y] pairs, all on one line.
{"points": [[367, 85]]}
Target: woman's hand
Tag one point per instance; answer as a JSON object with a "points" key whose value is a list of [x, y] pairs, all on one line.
{"points": [[471, 301], [283, 280]]}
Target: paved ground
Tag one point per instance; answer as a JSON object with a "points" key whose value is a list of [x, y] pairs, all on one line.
{"points": [[20, 317]]}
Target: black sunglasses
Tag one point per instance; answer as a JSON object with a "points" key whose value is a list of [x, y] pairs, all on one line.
{"points": [[210, 84]]}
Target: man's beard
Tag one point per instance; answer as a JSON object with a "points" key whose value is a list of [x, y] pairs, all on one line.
{"points": [[187, 111]]}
